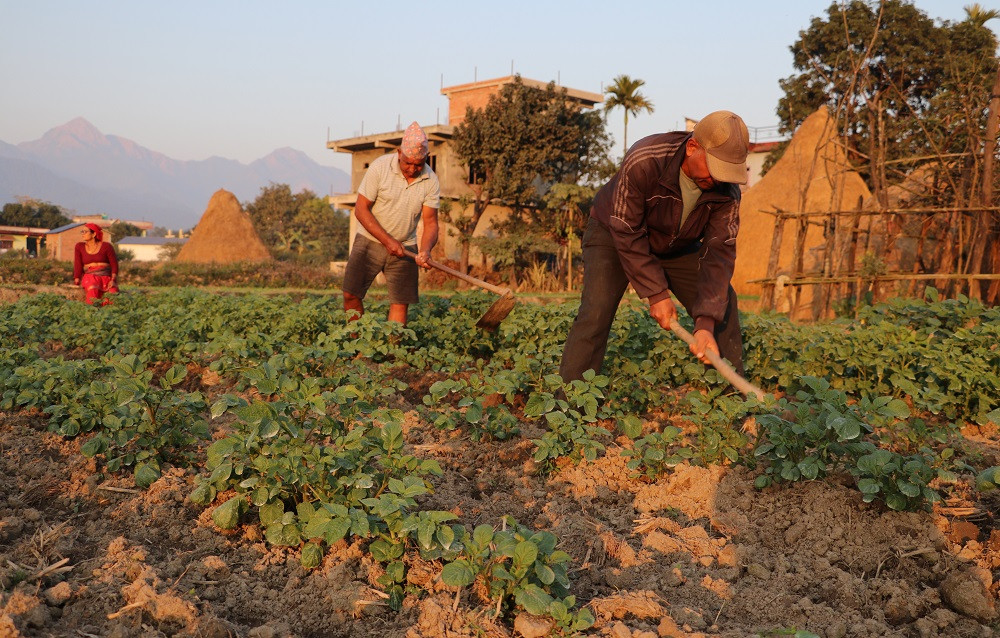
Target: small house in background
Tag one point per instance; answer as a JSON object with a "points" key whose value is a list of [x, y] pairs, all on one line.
{"points": [[62, 241], [149, 248], [22, 239]]}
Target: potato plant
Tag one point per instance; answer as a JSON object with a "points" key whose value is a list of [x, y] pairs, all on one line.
{"points": [[310, 439]]}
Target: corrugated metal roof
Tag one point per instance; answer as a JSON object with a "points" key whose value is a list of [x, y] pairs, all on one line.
{"points": [[64, 228]]}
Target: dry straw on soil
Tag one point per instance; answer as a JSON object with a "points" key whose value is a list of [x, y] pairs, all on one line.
{"points": [[812, 176], [224, 235]]}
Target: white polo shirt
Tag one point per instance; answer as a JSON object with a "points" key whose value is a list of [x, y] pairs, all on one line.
{"points": [[395, 203]]}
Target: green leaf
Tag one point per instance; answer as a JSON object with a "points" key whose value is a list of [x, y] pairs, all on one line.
{"points": [[896, 502], [445, 536], [868, 486], [219, 408], [260, 496], [312, 556], [458, 574], [337, 529], [474, 413], [221, 473], [146, 474], [94, 446], [271, 512], [994, 417], [533, 599], [988, 479], [175, 375], [897, 408], [203, 494], [482, 535], [218, 451], [290, 534], [545, 573], [396, 571], [425, 533], [525, 553], [907, 488], [538, 404], [227, 515], [631, 426]]}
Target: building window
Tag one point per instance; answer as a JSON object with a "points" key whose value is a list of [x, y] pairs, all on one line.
{"points": [[6, 244], [432, 161]]}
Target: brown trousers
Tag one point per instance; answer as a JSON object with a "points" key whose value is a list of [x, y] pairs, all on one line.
{"points": [[604, 284]]}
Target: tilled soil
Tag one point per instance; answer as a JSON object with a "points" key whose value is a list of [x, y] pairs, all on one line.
{"points": [[698, 553]]}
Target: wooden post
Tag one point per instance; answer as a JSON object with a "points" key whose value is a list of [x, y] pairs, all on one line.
{"points": [[990, 148], [986, 235], [821, 302], [767, 299], [798, 254], [852, 247]]}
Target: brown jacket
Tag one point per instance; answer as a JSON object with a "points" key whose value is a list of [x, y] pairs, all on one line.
{"points": [[641, 207]]}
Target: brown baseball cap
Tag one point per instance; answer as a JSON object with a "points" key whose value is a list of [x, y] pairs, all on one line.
{"points": [[726, 141]]}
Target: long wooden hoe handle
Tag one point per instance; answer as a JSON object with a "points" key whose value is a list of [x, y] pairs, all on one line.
{"points": [[719, 364], [461, 275]]}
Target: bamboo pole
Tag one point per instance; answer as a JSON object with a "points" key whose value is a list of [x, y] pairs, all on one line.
{"points": [[822, 301], [768, 301], [852, 245], [798, 255], [806, 281], [894, 211]]}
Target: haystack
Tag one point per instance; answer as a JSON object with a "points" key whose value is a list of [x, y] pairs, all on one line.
{"points": [[224, 235], [812, 176]]}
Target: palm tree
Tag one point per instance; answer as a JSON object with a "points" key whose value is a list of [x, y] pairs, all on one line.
{"points": [[624, 92], [978, 15]]}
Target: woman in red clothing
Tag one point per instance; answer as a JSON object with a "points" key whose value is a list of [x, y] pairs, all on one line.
{"points": [[95, 265]]}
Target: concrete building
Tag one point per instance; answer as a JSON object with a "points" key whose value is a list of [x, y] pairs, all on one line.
{"points": [[149, 248], [443, 161]]}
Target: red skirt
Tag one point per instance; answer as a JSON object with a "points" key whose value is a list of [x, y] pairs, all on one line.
{"points": [[95, 287]]}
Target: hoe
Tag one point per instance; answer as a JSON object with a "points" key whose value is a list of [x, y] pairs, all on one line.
{"points": [[500, 308]]}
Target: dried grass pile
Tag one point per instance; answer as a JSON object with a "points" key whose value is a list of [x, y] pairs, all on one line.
{"points": [[812, 176], [224, 235]]}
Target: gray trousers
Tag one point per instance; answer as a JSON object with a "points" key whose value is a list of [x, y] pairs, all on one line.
{"points": [[604, 283]]}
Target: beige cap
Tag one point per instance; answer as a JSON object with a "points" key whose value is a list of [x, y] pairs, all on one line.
{"points": [[726, 141]]}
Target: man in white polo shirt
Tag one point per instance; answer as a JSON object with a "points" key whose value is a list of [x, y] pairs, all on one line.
{"points": [[397, 191]]}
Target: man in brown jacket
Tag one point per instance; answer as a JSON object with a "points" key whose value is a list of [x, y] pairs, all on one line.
{"points": [[666, 222]]}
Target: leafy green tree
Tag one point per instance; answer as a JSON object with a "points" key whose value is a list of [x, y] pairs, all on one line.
{"points": [[568, 205], [523, 141], [119, 230], [299, 224], [979, 15], [33, 213], [273, 210], [899, 85], [624, 93]]}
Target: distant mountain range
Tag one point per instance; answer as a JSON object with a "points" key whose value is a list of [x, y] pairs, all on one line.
{"points": [[77, 167]]}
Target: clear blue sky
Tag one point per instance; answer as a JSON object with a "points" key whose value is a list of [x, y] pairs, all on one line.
{"points": [[238, 79]]}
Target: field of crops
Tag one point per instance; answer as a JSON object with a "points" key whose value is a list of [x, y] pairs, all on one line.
{"points": [[191, 464]]}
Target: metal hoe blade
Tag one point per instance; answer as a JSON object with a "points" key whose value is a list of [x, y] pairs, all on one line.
{"points": [[497, 312]]}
